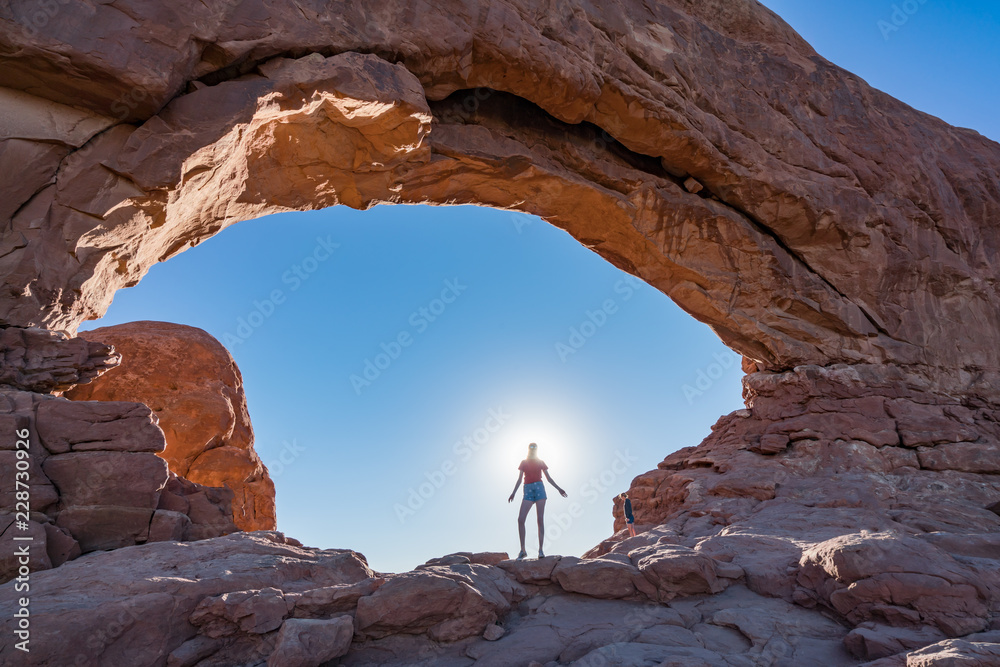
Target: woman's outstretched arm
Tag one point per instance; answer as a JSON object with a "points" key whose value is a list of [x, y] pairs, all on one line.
{"points": [[553, 483], [520, 476]]}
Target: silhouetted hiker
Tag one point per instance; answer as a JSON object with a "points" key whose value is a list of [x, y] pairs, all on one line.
{"points": [[531, 470], [629, 519]]}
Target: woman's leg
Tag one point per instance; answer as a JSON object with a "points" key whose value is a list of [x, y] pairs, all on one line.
{"points": [[540, 511], [522, 515]]}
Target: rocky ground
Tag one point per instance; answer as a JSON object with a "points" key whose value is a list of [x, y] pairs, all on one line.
{"points": [[837, 520], [260, 598], [841, 241]]}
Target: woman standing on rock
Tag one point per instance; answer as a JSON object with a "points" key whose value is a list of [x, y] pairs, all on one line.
{"points": [[531, 470]]}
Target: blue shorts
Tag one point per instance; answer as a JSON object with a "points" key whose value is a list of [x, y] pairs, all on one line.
{"points": [[534, 491]]}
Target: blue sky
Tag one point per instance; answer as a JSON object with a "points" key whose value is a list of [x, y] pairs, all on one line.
{"points": [[939, 56], [463, 320]]}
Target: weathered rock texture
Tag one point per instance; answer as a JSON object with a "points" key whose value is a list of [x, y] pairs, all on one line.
{"points": [[45, 361], [94, 482], [833, 223], [226, 595], [843, 242], [841, 489], [194, 387], [251, 598]]}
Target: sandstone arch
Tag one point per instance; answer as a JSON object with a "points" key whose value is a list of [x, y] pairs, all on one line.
{"points": [[842, 241], [807, 179]]}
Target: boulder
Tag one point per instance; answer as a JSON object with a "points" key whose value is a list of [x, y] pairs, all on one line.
{"points": [[872, 640], [599, 578], [311, 642], [168, 526], [676, 570], [66, 426], [330, 600], [196, 391], [252, 612], [102, 527], [896, 580], [531, 571], [416, 602], [119, 478], [207, 508]]}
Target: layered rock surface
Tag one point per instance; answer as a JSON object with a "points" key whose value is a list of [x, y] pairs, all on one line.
{"points": [[44, 361], [246, 598], [830, 551], [705, 147], [843, 242], [194, 387], [252, 598], [844, 490], [94, 482]]}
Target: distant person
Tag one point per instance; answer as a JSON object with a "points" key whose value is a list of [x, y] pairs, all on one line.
{"points": [[531, 470], [629, 519]]}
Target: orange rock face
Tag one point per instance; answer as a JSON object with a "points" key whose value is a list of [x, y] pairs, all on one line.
{"points": [[844, 243], [195, 389]]}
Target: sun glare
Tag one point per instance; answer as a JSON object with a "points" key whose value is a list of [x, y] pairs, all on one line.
{"points": [[555, 442]]}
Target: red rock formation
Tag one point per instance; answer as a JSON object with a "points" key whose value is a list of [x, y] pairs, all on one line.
{"points": [[811, 181], [843, 242], [94, 482], [225, 586], [196, 391], [45, 361], [837, 489]]}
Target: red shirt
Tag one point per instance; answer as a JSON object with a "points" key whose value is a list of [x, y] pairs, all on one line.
{"points": [[532, 469]]}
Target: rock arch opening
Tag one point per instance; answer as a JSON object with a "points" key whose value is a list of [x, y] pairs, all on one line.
{"points": [[279, 143], [841, 240], [748, 254], [565, 348]]}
